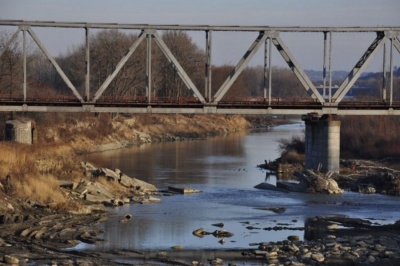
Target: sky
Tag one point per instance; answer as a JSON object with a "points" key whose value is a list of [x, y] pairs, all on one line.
{"points": [[227, 47]]}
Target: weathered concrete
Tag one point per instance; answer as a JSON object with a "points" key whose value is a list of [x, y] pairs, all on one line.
{"points": [[322, 142], [20, 131]]}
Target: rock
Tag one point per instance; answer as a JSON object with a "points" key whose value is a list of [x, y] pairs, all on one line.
{"points": [[267, 186], [292, 187], [10, 259], [273, 209], [88, 166], [293, 248], [126, 218], [216, 261], [222, 233], [318, 183], [271, 255], [317, 257], [110, 174], [200, 232], [94, 191], [137, 184], [218, 225], [371, 259], [178, 247], [366, 189], [293, 238], [10, 207]]}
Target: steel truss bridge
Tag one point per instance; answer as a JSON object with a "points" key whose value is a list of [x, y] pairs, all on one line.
{"points": [[206, 103]]}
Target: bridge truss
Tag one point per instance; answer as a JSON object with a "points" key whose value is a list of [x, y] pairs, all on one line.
{"points": [[206, 102]]}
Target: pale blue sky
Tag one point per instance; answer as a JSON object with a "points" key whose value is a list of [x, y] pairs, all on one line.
{"points": [[230, 12], [220, 12]]}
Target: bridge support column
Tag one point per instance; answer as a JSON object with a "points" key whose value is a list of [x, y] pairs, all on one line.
{"points": [[322, 142]]}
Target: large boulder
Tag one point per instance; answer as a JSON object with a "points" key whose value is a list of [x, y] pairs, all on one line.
{"points": [[94, 192], [318, 183], [137, 184]]}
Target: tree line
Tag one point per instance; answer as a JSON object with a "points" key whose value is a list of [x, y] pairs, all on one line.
{"points": [[107, 47]]}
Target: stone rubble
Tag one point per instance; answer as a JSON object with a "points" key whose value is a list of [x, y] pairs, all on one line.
{"points": [[347, 250]]}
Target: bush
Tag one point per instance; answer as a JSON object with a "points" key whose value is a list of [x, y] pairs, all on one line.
{"points": [[296, 144]]}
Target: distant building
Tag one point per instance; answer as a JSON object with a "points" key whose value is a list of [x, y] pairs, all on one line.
{"points": [[19, 131]]}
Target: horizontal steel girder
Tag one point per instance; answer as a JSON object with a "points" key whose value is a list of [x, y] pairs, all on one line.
{"points": [[192, 27], [203, 109]]}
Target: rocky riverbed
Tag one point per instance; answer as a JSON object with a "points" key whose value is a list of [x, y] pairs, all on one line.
{"points": [[34, 234]]}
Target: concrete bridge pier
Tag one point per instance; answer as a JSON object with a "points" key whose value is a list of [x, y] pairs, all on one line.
{"points": [[322, 142]]}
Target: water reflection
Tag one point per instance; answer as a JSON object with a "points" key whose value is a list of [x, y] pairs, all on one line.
{"points": [[224, 168]]}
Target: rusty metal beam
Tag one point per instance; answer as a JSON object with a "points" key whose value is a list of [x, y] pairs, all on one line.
{"points": [[295, 67], [119, 66], [181, 72], [360, 67], [56, 66], [240, 66]]}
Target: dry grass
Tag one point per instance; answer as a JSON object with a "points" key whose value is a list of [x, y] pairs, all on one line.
{"points": [[43, 189], [370, 136], [293, 157], [36, 169]]}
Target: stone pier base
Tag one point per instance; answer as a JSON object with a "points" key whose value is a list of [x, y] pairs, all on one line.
{"points": [[322, 142]]}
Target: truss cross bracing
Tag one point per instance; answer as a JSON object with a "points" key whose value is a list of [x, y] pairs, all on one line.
{"points": [[208, 103]]}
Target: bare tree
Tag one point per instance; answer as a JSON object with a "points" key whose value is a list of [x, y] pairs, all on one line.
{"points": [[11, 74], [191, 58]]}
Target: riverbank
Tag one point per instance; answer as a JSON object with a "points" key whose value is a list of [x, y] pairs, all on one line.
{"points": [[38, 216], [33, 246]]}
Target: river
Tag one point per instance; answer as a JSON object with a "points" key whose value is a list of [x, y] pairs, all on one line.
{"points": [[224, 169]]}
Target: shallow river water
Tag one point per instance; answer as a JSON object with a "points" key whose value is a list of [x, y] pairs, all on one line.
{"points": [[224, 168]]}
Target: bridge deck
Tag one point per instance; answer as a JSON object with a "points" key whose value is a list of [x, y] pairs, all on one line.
{"points": [[285, 107]]}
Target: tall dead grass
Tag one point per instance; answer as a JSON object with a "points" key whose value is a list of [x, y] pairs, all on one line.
{"points": [[370, 136], [34, 170]]}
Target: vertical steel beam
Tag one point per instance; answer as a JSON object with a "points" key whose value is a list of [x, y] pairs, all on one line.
{"points": [[56, 66], [297, 70], [181, 72], [270, 71], [360, 66], [148, 67], [24, 60], [324, 67], [13, 38], [330, 66], [384, 74], [119, 66], [240, 66], [391, 72], [207, 85], [265, 68], [87, 61]]}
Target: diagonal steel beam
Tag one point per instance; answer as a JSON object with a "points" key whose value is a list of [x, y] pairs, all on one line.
{"points": [[297, 70], [13, 37], [56, 66], [396, 43], [181, 72], [361, 65], [240, 66], [119, 66]]}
